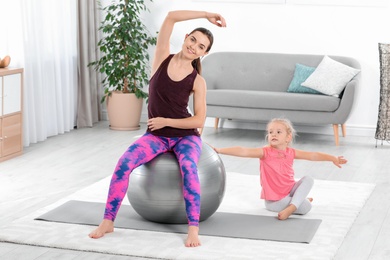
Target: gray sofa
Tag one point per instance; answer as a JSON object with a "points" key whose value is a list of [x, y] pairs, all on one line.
{"points": [[253, 86]]}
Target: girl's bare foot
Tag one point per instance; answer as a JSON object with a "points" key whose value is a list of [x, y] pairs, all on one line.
{"points": [[106, 226], [284, 214], [192, 238]]}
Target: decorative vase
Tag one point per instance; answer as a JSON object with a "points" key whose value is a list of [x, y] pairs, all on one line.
{"points": [[5, 62]]}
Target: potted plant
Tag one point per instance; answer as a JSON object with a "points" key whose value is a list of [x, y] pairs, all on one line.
{"points": [[124, 62]]}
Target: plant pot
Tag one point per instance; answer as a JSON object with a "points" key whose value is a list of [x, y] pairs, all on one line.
{"points": [[124, 111]]}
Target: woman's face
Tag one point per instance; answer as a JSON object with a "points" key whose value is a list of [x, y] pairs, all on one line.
{"points": [[195, 45]]}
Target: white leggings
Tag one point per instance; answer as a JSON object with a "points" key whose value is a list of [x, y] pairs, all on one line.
{"points": [[297, 197]]}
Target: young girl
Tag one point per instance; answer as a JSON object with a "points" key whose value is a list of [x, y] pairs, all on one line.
{"points": [[280, 191], [171, 127]]}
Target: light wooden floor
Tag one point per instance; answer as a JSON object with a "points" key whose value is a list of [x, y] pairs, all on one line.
{"points": [[63, 164]]}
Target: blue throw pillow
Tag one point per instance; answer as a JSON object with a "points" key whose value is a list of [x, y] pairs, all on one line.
{"points": [[301, 73]]}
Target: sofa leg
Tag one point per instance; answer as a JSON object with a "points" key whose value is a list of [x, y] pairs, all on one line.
{"points": [[216, 122], [343, 130], [336, 133]]}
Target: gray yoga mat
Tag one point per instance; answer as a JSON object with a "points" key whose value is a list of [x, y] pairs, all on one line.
{"points": [[220, 224]]}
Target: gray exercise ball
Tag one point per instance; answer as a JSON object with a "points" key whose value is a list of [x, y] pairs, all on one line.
{"points": [[155, 188]]}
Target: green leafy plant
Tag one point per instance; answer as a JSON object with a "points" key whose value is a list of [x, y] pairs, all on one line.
{"points": [[124, 47]]}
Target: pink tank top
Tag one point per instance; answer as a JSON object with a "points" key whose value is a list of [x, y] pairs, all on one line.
{"points": [[276, 173]]}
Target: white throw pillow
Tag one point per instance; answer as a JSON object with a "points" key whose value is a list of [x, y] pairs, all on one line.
{"points": [[330, 77]]}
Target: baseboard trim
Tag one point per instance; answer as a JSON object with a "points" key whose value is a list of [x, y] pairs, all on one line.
{"points": [[352, 130]]}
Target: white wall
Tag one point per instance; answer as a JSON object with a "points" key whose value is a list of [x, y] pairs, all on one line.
{"points": [[291, 28]]}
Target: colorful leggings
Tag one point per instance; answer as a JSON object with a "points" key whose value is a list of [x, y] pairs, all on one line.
{"points": [[187, 150]]}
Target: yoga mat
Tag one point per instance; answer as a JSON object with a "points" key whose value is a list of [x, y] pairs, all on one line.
{"points": [[220, 224]]}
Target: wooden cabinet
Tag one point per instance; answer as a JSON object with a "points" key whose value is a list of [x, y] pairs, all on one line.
{"points": [[11, 113]]}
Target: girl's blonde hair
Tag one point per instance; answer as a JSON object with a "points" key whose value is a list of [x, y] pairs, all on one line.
{"points": [[287, 123]]}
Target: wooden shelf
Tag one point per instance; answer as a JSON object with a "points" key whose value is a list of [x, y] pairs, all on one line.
{"points": [[11, 113]]}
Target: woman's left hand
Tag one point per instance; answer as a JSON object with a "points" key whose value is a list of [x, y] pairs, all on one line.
{"points": [[156, 123], [216, 19]]}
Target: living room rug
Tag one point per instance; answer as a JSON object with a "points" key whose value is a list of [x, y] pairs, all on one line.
{"points": [[222, 224], [337, 204]]}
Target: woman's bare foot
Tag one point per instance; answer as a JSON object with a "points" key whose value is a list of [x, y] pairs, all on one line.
{"points": [[284, 214], [310, 199], [106, 226], [192, 238]]}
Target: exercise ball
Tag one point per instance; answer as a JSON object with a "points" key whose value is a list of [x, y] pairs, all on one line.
{"points": [[155, 188]]}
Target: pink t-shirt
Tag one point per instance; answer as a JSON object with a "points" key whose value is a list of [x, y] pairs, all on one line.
{"points": [[276, 173]]}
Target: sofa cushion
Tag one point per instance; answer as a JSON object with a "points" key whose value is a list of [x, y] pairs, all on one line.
{"points": [[301, 73], [271, 100], [330, 77]]}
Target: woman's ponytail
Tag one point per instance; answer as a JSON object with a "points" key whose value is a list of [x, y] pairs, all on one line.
{"points": [[196, 64]]}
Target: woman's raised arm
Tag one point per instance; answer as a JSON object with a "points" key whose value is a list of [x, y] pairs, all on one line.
{"points": [[164, 35]]}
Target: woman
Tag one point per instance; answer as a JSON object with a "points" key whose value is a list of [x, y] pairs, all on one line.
{"points": [[171, 127]]}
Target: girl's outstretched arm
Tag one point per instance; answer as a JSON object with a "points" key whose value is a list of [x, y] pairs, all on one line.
{"points": [[240, 151], [317, 156]]}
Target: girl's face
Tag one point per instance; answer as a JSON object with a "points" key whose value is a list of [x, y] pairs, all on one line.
{"points": [[278, 136], [195, 45]]}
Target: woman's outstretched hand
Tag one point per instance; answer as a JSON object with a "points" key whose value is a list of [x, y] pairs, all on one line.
{"points": [[216, 19]]}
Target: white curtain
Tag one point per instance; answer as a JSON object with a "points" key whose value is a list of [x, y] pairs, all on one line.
{"points": [[41, 37]]}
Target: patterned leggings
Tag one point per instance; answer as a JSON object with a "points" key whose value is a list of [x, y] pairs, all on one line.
{"points": [[187, 150]]}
